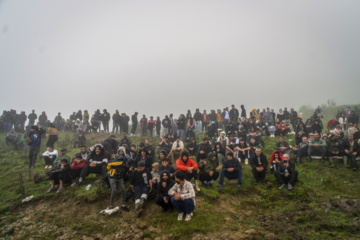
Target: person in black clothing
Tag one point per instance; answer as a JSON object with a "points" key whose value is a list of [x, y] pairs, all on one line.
{"points": [[96, 163], [32, 117], [230, 129], [124, 140], [164, 185], [34, 141], [213, 128], [165, 145], [110, 145], [145, 158], [81, 140], [316, 127], [233, 113], [134, 121], [190, 134], [204, 149], [125, 123], [232, 170], [351, 150], [243, 111], [192, 147], [286, 173], [59, 175], [105, 120], [141, 185], [158, 126], [353, 118], [149, 148], [243, 150], [166, 126], [259, 165]]}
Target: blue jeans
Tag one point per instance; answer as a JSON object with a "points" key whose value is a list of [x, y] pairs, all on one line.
{"points": [[7, 127], [117, 184], [181, 206], [197, 126], [180, 134], [231, 175]]}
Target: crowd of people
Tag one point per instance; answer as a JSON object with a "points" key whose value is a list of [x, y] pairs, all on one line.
{"points": [[181, 158]]}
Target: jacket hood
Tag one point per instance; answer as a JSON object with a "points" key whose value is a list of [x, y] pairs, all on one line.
{"points": [[121, 148]]}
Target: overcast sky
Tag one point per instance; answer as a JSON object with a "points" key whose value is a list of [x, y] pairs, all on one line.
{"points": [[158, 57]]}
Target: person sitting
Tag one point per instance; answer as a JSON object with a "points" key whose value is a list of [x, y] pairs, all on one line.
{"points": [[19, 142], [213, 128], [189, 135], [96, 163], [259, 165], [298, 137], [165, 184], [282, 146], [351, 149], [243, 151], [275, 159], [59, 175], [192, 147], [316, 127], [286, 173], [81, 140], [144, 157], [283, 129], [223, 140], [124, 140], [50, 156], [317, 146], [182, 196], [272, 129], [177, 147], [253, 145], [204, 149], [352, 130], [10, 137], [165, 145], [301, 150], [230, 129], [165, 166], [117, 168], [208, 173], [253, 134], [189, 167], [155, 173], [231, 170], [149, 149], [77, 165], [333, 148], [111, 145], [220, 153], [141, 185]]}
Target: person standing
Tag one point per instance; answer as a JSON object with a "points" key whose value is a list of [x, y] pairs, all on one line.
{"points": [[105, 120], [204, 121], [198, 118], [34, 141], [134, 121], [32, 117]]}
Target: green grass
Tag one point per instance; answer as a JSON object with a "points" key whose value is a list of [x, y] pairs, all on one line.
{"points": [[287, 214]]}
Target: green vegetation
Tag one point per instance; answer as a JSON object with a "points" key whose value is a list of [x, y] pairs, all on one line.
{"points": [[323, 205]]}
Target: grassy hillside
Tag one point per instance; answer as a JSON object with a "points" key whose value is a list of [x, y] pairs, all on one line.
{"points": [[325, 204]]}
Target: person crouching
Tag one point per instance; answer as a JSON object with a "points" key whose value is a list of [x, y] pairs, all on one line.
{"points": [[59, 175], [141, 186]]}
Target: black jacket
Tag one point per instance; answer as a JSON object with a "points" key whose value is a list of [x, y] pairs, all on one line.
{"points": [[163, 191], [255, 163], [140, 179], [281, 168]]}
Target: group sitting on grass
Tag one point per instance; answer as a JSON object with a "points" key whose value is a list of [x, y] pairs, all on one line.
{"points": [[181, 158]]}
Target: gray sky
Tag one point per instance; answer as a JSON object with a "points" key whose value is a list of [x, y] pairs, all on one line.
{"points": [[158, 57]]}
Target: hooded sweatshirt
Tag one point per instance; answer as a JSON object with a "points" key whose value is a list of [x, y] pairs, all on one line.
{"points": [[164, 191]]}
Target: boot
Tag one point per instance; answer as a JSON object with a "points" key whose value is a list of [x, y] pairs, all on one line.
{"points": [[197, 185]]}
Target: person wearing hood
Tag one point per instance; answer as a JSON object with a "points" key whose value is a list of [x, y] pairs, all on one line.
{"points": [[243, 111], [189, 135], [208, 173], [204, 149], [213, 128], [165, 145], [165, 184], [117, 168], [166, 126], [145, 158], [223, 140], [219, 153], [275, 159], [231, 170], [110, 144], [124, 140], [96, 163], [188, 167], [141, 185], [192, 147], [81, 140]]}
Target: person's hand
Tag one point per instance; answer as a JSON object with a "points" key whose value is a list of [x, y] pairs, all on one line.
{"points": [[346, 151], [52, 171], [177, 196], [190, 169], [202, 152], [287, 174], [354, 153], [204, 162], [230, 169], [165, 200], [211, 173], [316, 144], [92, 164], [150, 189]]}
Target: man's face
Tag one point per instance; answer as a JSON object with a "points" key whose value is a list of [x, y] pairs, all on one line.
{"points": [[316, 136], [146, 142], [165, 177], [78, 160], [304, 139], [229, 157], [281, 139], [164, 163], [258, 152], [252, 141], [162, 156], [350, 137], [83, 149], [63, 153], [97, 150], [286, 157], [184, 158], [141, 168]]}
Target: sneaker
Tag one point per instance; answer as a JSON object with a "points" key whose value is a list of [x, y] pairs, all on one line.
{"points": [[180, 216], [188, 217], [290, 187], [73, 184], [125, 208], [238, 187], [191, 214], [221, 187], [264, 182], [246, 161], [281, 186]]}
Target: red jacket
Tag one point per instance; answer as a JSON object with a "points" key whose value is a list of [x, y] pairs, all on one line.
{"points": [[180, 165], [280, 156], [205, 117], [74, 165]]}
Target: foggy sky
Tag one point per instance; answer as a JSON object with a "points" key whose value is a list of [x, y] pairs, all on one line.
{"points": [[161, 57]]}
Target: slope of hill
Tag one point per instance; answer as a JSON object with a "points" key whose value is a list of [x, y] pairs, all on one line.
{"points": [[325, 204]]}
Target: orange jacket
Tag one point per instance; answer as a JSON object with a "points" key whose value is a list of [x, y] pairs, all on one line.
{"points": [[180, 165]]}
